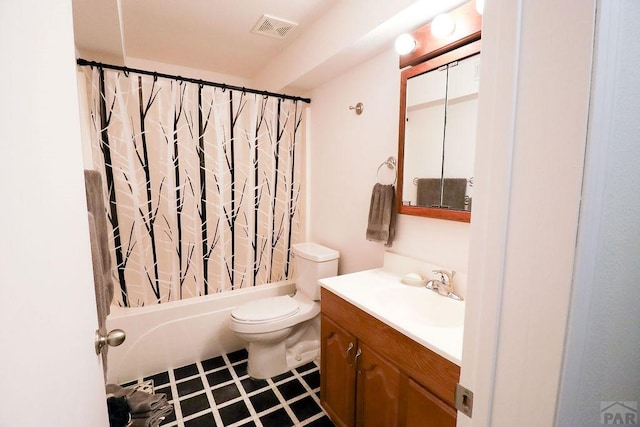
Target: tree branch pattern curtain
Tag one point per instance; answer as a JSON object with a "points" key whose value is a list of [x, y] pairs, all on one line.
{"points": [[202, 185]]}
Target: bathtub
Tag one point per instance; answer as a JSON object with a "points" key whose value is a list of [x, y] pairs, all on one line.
{"points": [[177, 333]]}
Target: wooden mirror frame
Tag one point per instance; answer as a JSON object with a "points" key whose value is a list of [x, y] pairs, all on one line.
{"points": [[431, 54]]}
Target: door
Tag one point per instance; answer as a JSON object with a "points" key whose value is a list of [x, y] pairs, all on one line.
{"points": [[50, 373], [338, 376], [425, 409], [378, 390]]}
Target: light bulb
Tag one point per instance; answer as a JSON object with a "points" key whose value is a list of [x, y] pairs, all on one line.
{"points": [[405, 44], [442, 25]]}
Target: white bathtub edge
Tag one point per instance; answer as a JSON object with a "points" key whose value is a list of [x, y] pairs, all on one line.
{"points": [[177, 333]]}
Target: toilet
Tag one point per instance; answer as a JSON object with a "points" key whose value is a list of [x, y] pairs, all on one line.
{"points": [[283, 332]]}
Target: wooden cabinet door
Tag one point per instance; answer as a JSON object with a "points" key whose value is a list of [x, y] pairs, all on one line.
{"points": [[426, 410], [337, 374], [378, 389]]}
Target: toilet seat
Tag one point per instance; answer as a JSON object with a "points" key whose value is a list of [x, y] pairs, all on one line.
{"points": [[266, 310]]}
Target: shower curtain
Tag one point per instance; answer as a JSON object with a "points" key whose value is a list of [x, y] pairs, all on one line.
{"points": [[202, 184]]}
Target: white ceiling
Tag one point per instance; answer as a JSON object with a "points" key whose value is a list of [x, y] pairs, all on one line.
{"points": [[215, 35]]}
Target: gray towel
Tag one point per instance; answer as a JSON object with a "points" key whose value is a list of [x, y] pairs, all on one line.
{"points": [[382, 214], [455, 190], [102, 259], [102, 299], [141, 404], [153, 418], [428, 193]]}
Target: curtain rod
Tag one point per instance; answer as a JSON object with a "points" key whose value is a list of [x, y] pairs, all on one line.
{"points": [[83, 62]]}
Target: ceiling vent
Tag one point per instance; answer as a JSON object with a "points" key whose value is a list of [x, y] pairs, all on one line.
{"points": [[273, 27]]}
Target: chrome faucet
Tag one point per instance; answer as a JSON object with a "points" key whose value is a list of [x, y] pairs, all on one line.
{"points": [[444, 285]]}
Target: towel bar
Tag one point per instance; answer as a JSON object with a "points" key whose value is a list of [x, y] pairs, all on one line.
{"points": [[391, 163], [469, 180]]}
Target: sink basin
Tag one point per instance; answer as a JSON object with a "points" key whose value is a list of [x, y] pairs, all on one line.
{"points": [[420, 305], [432, 320]]}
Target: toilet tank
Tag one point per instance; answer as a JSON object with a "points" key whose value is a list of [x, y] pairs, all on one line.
{"points": [[312, 263]]}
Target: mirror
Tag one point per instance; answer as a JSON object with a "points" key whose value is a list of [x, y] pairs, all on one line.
{"points": [[439, 138], [438, 116]]}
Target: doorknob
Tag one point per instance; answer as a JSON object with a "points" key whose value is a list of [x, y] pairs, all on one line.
{"points": [[114, 338]]}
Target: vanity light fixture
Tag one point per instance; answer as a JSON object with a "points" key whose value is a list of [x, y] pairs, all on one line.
{"points": [[405, 44], [442, 25]]}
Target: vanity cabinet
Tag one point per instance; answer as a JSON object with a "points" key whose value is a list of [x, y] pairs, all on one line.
{"points": [[373, 375], [338, 387], [361, 388]]}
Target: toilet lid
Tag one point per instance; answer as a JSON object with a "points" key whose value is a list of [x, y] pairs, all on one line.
{"points": [[266, 310]]}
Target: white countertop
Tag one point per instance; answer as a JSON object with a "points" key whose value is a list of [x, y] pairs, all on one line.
{"points": [[435, 321]]}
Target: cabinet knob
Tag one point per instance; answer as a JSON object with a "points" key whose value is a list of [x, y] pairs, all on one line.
{"points": [[355, 361]]}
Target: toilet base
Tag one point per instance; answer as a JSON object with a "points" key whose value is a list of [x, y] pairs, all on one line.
{"points": [[270, 360], [266, 360]]}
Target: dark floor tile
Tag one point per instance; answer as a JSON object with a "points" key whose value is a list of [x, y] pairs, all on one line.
{"points": [[214, 363], [305, 408], [306, 367], [166, 390], [129, 384], [169, 418], [225, 393], [159, 379], [194, 404], [205, 420], [241, 369], [249, 384], [278, 418], [237, 356], [264, 398], [282, 376], [185, 371], [263, 401], [218, 377], [234, 413], [312, 380], [291, 389], [321, 422], [189, 386]]}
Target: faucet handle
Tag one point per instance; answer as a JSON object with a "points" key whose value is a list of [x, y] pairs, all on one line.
{"points": [[433, 284], [444, 285], [445, 277]]}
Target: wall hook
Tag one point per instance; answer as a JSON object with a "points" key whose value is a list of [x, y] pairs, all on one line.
{"points": [[359, 108]]}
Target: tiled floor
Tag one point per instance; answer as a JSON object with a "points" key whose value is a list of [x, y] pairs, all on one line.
{"points": [[218, 392]]}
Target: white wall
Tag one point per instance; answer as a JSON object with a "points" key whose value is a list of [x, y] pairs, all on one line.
{"points": [[345, 152], [178, 70], [602, 361], [532, 119]]}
